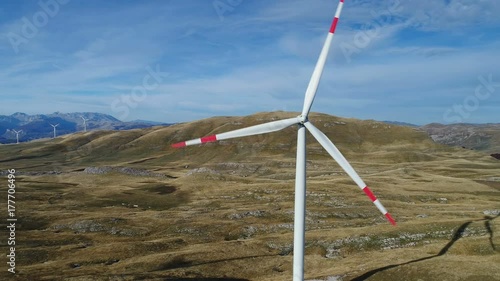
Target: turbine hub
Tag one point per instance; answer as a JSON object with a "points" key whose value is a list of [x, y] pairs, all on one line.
{"points": [[302, 119]]}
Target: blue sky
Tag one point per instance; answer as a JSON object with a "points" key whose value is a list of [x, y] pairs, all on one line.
{"points": [[174, 61]]}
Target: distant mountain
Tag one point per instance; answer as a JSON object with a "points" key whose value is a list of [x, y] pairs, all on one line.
{"points": [[400, 123], [152, 123], [38, 126], [485, 137]]}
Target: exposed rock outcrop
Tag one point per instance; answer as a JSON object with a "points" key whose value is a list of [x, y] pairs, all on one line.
{"points": [[123, 170]]}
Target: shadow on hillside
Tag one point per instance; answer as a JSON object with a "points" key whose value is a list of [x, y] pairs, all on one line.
{"points": [[182, 262], [458, 234]]}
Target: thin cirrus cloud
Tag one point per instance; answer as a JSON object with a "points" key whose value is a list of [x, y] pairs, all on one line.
{"points": [[398, 60]]}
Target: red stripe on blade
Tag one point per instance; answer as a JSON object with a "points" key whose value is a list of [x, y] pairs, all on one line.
{"points": [[369, 193], [209, 139], [179, 144], [389, 217], [334, 25]]}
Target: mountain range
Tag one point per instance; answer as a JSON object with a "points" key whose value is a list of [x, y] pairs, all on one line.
{"points": [[38, 126]]}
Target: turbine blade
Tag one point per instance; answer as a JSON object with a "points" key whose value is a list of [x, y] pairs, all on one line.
{"points": [[253, 130], [335, 153], [318, 70]]}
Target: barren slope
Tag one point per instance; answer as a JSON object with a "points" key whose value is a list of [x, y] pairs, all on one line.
{"points": [[126, 206]]}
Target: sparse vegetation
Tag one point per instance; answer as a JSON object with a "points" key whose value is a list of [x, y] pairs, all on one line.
{"points": [[225, 211]]}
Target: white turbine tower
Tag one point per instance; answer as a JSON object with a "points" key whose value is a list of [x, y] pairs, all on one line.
{"points": [[17, 135], [54, 129], [84, 123], [300, 178]]}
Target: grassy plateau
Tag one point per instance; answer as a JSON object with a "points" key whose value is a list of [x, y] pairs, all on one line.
{"points": [[124, 205]]}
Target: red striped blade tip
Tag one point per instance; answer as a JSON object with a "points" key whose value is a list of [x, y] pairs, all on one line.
{"points": [[179, 144], [390, 219], [369, 193], [334, 25], [211, 138]]}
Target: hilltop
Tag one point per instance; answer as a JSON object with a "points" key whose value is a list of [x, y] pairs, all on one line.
{"points": [[482, 137], [364, 139]]}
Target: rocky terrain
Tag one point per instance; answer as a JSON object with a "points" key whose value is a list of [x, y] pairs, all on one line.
{"points": [[483, 137]]}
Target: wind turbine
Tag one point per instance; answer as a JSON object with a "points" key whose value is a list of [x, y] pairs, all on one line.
{"points": [[303, 123], [54, 129], [84, 123], [17, 134]]}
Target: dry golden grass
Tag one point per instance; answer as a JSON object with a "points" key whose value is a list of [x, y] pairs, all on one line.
{"points": [[225, 211]]}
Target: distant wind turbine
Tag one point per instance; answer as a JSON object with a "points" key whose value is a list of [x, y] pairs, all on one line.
{"points": [[54, 129], [302, 122], [17, 135], [84, 123]]}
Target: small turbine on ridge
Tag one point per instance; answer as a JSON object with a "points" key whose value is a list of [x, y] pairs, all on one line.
{"points": [[17, 135], [54, 129], [84, 123]]}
